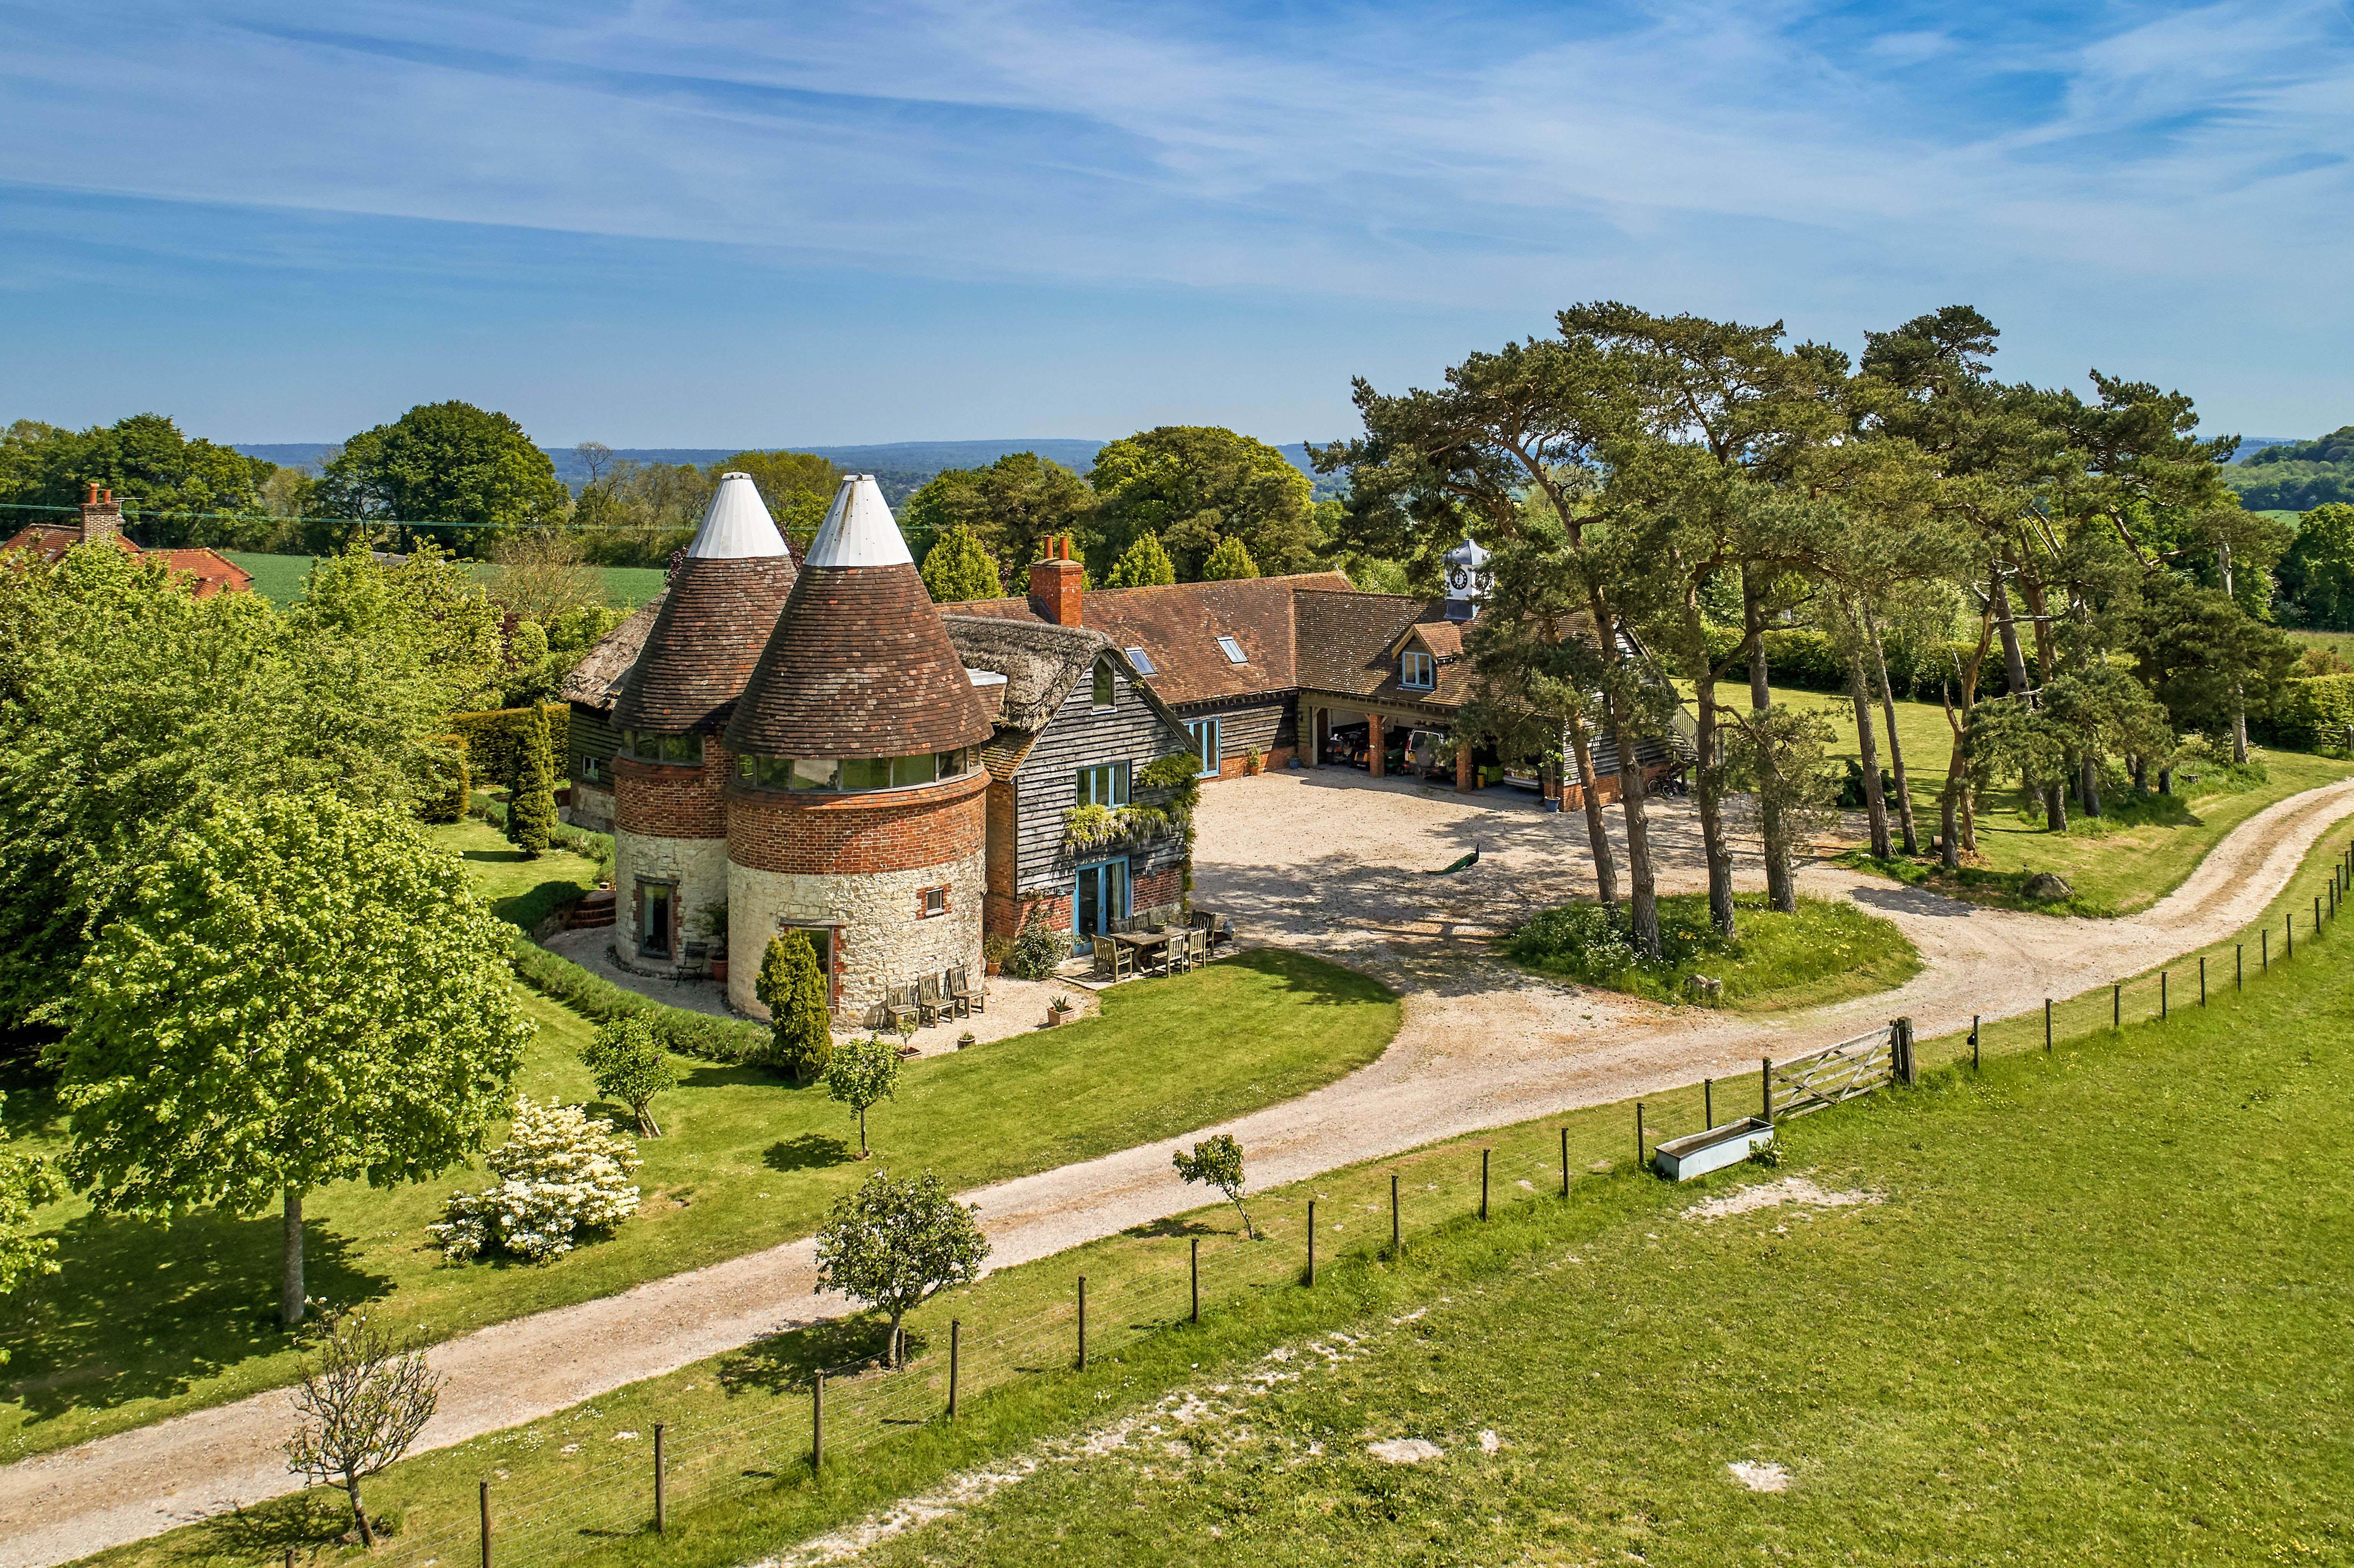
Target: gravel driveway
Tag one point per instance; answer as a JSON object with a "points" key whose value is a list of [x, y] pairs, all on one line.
{"points": [[1313, 861]]}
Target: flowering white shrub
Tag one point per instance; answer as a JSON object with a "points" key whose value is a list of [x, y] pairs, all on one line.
{"points": [[561, 1175]]}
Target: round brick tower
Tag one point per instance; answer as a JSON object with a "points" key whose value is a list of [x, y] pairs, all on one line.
{"points": [[670, 815], [855, 813]]}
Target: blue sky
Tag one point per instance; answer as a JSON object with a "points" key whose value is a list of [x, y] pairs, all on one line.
{"points": [[700, 224]]}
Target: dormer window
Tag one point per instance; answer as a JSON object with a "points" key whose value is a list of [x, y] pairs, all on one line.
{"points": [[1233, 650], [1106, 689], [1416, 670]]}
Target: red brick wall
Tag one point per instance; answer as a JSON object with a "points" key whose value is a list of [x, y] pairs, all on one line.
{"points": [[840, 836], [1572, 797], [1238, 767], [1164, 886], [1005, 836], [1004, 915], [674, 801]]}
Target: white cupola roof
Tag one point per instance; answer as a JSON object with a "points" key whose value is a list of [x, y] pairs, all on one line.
{"points": [[858, 530], [735, 526]]}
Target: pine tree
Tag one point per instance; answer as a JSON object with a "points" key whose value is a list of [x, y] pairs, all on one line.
{"points": [[1145, 565], [794, 989], [531, 815], [1228, 561], [958, 569]]}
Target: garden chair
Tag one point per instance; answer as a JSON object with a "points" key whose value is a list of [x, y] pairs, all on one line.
{"points": [[899, 1001], [1110, 959], [969, 1000], [930, 1007]]}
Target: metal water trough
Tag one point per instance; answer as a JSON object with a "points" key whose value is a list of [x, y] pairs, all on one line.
{"points": [[1681, 1158]]}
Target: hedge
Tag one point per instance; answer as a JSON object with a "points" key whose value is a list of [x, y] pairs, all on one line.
{"points": [[2311, 711], [495, 740], [458, 784], [1810, 662], [600, 1000]]}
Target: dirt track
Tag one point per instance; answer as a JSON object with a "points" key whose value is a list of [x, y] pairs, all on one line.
{"points": [[1303, 860]]}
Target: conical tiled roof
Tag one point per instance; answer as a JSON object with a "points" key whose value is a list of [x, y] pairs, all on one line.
{"points": [[859, 665], [715, 617]]}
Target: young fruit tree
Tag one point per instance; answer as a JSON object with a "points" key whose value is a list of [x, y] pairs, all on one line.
{"points": [[1217, 1162], [862, 1074], [627, 1062], [895, 1244], [792, 987], [361, 1406], [299, 993]]}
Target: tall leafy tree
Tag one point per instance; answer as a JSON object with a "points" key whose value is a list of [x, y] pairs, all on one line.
{"points": [[797, 487], [300, 992], [1228, 562], [26, 1183], [792, 987], [446, 464], [1145, 564], [957, 569], [1196, 486], [1012, 506], [2316, 573], [174, 490]]}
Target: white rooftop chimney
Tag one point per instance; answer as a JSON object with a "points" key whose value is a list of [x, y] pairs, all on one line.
{"points": [[858, 530], [735, 526]]}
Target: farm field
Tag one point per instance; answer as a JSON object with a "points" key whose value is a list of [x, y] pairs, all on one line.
{"points": [[279, 578], [2117, 863], [145, 1321], [2086, 1312]]}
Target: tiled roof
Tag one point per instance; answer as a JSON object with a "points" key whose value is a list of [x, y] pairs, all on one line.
{"points": [[704, 643], [210, 571], [1345, 639], [1043, 664], [1178, 626], [859, 665], [1443, 637], [597, 681]]}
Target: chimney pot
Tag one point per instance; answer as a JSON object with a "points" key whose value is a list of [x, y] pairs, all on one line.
{"points": [[1055, 583], [102, 516]]}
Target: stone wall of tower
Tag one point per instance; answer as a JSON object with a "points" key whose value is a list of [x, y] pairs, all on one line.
{"points": [[670, 824], [860, 866]]}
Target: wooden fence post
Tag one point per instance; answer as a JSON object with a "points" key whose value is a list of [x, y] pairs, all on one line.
{"points": [[1639, 1135], [2116, 1005], [1564, 1162], [1197, 1280], [1083, 1320], [817, 1422], [660, 1514], [1974, 1042], [2162, 996], [956, 1334], [1765, 1086], [2239, 965], [1904, 1027], [1483, 1182], [2202, 980], [1397, 1240], [1708, 1101], [2047, 1024], [2264, 952], [1312, 1244], [486, 1524]]}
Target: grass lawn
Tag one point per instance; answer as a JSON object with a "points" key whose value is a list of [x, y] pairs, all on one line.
{"points": [[522, 891], [279, 578], [2117, 865], [2094, 1315], [145, 1321], [1827, 951]]}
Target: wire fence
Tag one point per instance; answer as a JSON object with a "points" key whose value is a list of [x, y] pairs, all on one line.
{"points": [[1152, 1282]]}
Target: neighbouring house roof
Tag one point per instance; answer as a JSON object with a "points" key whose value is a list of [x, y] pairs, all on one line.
{"points": [[1345, 639], [209, 571], [1043, 664], [860, 663], [596, 681], [1178, 626], [723, 600], [735, 526]]}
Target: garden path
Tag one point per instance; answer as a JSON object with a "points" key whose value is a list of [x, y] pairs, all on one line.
{"points": [[1296, 863]]}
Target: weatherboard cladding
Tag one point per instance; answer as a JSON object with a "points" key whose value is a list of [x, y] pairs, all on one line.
{"points": [[704, 643], [1134, 729], [859, 665]]}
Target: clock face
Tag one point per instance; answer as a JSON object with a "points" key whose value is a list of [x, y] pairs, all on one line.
{"points": [[1458, 579]]}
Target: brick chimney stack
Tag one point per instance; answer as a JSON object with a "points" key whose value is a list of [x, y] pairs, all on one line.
{"points": [[1054, 582], [102, 516]]}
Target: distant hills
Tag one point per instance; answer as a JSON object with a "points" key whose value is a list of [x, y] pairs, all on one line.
{"points": [[901, 468], [2297, 476]]}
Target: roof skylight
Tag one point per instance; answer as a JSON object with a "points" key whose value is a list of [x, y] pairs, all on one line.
{"points": [[1143, 665], [1234, 651]]}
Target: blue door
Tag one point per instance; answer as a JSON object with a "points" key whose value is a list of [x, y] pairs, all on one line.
{"points": [[1100, 898]]}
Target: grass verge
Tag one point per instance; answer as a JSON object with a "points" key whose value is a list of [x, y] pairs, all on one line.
{"points": [[2094, 1319], [1827, 950], [146, 1321]]}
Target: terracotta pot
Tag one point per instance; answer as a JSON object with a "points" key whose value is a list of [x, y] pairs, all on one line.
{"points": [[989, 967], [719, 970], [1055, 1018]]}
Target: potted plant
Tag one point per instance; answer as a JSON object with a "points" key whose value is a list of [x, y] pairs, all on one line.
{"points": [[993, 951], [1058, 1010], [715, 925], [1253, 761], [965, 1039]]}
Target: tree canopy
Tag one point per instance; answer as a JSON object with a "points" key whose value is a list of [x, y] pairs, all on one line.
{"points": [[167, 481], [296, 991], [1195, 486], [446, 464], [1009, 506], [957, 569], [896, 1243], [1145, 564]]}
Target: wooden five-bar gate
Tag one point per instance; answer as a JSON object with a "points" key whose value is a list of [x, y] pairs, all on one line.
{"points": [[1849, 1068]]}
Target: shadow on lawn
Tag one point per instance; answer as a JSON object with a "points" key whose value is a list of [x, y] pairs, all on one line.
{"points": [[208, 1295], [787, 1363], [808, 1152]]}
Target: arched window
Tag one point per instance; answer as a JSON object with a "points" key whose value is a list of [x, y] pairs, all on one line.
{"points": [[1106, 692]]}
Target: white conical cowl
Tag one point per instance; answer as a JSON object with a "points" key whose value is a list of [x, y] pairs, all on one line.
{"points": [[735, 526], [858, 530]]}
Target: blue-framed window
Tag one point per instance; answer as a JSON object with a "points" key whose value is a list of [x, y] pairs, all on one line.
{"points": [[1416, 670], [1105, 784], [1204, 732]]}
